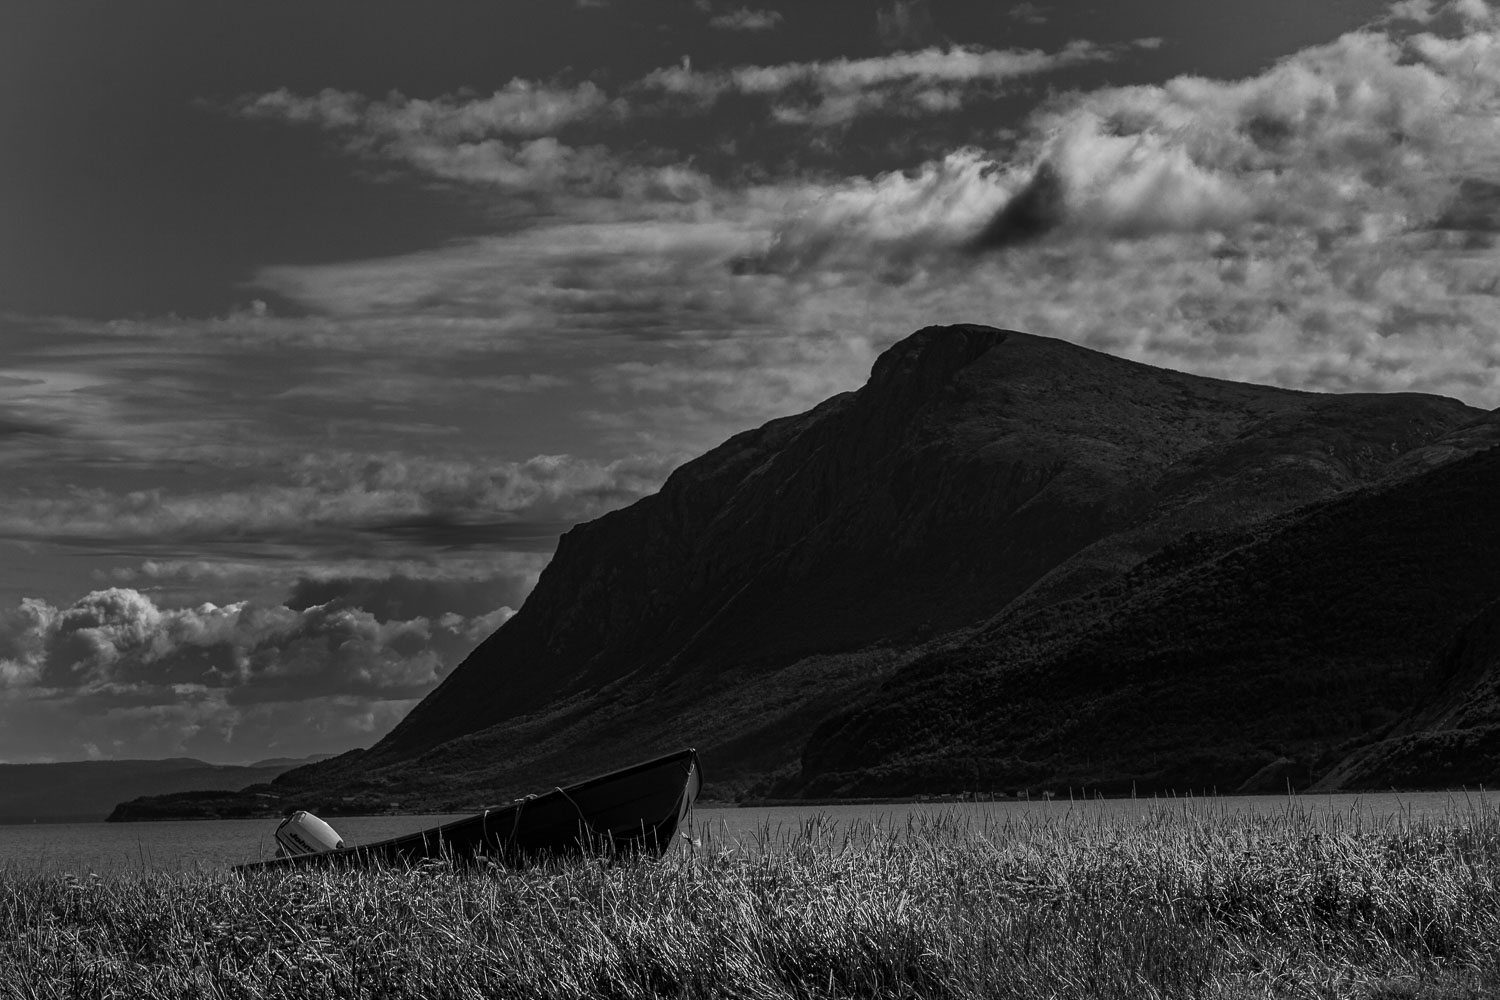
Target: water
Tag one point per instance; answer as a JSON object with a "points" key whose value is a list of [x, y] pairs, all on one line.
{"points": [[215, 844]]}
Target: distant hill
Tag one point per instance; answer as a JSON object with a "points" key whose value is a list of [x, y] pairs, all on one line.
{"points": [[80, 791], [1006, 560]]}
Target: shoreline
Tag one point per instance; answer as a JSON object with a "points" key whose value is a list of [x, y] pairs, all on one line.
{"points": [[1479, 793]]}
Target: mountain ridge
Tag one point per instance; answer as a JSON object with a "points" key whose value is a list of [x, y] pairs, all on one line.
{"points": [[981, 478]]}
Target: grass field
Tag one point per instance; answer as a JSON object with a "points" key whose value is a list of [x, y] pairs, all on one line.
{"points": [[1183, 900]]}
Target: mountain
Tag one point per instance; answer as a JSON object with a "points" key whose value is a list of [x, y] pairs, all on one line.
{"points": [[1453, 740], [1239, 662], [85, 790], [824, 603]]}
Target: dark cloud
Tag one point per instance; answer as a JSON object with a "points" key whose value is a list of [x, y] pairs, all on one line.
{"points": [[1474, 207], [14, 427], [1035, 210], [447, 532]]}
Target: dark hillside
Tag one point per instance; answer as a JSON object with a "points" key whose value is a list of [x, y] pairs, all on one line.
{"points": [[1451, 740], [1209, 662], [975, 462]]}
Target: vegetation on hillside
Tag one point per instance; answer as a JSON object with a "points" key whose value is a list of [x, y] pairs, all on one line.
{"points": [[1293, 641]]}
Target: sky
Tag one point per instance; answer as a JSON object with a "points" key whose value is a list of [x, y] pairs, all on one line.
{"points": [[320, 322]]}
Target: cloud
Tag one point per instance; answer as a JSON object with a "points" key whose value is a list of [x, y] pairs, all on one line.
{"points": [[521, 107], [383, 383], [400, 597], [509, 139], [745, 19], [1030, 13], [564, 267], [1364, 133], [548, 139], [391, 587], [334, 498], [1420, 11], [1474, 13], [1266, 228], [837, 91], [117, 644], [1124, 185], [1323, 225], [193, 675], [906, 24], [902, 219]]}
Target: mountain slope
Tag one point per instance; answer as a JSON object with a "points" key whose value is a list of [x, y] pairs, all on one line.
{"points": [[876, 574], [1214, 660], [791, 570], [1451, 740]]}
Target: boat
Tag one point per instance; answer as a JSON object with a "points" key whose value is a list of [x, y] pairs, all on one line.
{"points": [[633, 810]]}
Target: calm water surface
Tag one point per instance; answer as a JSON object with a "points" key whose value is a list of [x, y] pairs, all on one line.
{"points": [[175, 846]]}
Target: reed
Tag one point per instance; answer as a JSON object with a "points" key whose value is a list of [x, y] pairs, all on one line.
{"points": [[1180, 900]]}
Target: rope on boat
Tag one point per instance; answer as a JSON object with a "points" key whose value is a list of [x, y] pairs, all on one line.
{"points": [[582, 818], [515, 827]]}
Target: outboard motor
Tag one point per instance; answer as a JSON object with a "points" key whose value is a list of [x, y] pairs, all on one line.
{"points": [[304, 833]]}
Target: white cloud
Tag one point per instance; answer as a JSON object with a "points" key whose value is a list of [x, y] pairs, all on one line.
{"points": [[1133, 185], [115, 667], [512, 139], [508, 139], [1363, 133], [117, 644], [745, 19], [844, 89], [897, 220], [1030, 13], [521, 107], [1420, 11], [1474, 13]]}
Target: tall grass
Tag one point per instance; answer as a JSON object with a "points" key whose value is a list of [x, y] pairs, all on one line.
{"points": [[1182, 900]]}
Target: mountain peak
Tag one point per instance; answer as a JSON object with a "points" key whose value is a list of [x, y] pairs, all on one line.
{"points": [[933, 354]]}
